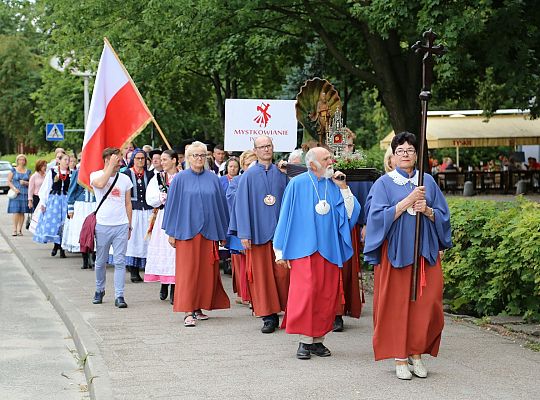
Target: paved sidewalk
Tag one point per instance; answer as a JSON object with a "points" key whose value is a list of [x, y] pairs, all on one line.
{"points": [[144, 352], [37, 354]]}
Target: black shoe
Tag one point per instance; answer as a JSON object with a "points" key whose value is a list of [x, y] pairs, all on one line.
{"points": [[269, 325], [227, 267], [320, 350], [276, 320], [171, 296], [62, 253], [164, 291], [98, 297], [84, 261], [338, 324], [120, 302], [55, 249], [135, 277], [304, 351]]}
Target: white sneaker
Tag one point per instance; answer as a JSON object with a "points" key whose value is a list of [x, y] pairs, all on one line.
{"points": [[402, 372], [418, 367]]}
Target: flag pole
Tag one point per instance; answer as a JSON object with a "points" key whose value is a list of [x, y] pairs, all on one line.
{"points": [[138, 94], [428, 50], [161, 133]]}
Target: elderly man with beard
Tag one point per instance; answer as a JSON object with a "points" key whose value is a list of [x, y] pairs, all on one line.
{"points": [[313, 239]]}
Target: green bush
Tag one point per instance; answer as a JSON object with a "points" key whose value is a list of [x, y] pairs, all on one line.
{"points": [[494, 266]]}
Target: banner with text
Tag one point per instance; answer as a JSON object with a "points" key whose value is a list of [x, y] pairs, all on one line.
{"points": [[245, 119]]}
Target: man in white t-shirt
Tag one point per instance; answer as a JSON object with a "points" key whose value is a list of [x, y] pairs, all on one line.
{"points": [[113, 224]]}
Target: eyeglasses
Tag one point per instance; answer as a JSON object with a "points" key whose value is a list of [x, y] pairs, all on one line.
{"points": [[139, 158], [200, 156], [265, 147], [402, 152]]}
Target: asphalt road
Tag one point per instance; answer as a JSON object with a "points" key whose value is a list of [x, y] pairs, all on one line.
{"points": [[37, 354], [144, 352]]}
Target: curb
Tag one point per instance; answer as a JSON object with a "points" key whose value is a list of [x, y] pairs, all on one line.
{"points": [[95, 369]]}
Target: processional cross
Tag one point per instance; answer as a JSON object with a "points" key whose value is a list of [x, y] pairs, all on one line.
{"points": [[428, 50]]}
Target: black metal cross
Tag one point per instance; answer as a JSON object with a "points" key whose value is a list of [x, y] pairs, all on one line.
{"points": [[428, 50]]}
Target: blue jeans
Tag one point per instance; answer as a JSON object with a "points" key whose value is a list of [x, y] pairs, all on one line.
{"points": [[117, 236]]}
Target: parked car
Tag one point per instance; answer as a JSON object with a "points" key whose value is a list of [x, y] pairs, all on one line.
{"points": [[5, 167]]}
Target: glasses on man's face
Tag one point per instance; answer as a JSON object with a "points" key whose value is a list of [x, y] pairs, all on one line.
{"points": [[402, 152], [199, 156], [265, 147]]}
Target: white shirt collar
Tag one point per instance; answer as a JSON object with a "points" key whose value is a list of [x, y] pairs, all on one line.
{"points": [[401, 180]]}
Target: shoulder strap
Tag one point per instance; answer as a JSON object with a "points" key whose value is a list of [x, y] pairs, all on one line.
{"points": [[106, 194]]}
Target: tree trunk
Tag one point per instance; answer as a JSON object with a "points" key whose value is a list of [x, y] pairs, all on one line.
{"points": [[220, 101]]}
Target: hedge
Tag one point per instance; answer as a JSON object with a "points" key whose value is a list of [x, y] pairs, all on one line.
{"points": [[494, 266], [32, 158]]}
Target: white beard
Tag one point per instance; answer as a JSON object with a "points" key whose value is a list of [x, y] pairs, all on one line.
{"points": [[329, 173]]}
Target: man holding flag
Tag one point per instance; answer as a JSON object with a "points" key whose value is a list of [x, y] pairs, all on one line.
{"points": [[117, 114]]}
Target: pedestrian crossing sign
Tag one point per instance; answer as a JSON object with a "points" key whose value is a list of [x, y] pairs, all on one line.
{"points": [[54, 132]]}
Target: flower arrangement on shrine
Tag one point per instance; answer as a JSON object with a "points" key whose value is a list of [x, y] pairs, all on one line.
{"points": [[318, 109]]}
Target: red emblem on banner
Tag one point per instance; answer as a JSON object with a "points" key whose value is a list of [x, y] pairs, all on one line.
{"points": [[263, 117]]}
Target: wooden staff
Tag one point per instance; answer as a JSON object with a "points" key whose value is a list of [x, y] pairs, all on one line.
{"points": [[428, 50]]}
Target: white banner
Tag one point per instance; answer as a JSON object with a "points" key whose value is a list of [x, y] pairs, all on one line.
{"points": [[246, 119]]}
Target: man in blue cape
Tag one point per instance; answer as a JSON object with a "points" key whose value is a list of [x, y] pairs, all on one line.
{"points": [[313, 239], [258, 201]]}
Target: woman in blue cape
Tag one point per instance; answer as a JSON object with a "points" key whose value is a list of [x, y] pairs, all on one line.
{"points": [[195, 219], [404, 330]]}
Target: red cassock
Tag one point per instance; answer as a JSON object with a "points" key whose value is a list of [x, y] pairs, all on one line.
{"points": [[352, 295], [402, 327], [314, 294], [268, 283], [240, 282], [198, 280]]}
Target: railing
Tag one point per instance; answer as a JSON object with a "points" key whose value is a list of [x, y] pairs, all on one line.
{"points": [[488, 182]]}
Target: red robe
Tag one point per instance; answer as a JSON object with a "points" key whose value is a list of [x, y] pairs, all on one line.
{"points": [[198, 280], [268, 283], [240, 283], [352, 295], [313, 296], [402, 327]]}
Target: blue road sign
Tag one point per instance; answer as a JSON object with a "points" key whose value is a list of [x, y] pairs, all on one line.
{"points": [[54, 132]]}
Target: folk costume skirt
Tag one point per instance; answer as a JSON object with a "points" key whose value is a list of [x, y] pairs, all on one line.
{"points": [[161, 256], [137, 247], [268, 283], [198, 280], [72, 226], [402, 327], [314, 293], [50, 224]]}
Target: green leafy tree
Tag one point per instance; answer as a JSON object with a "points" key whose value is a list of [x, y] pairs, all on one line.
{"points": [[19, 73]]}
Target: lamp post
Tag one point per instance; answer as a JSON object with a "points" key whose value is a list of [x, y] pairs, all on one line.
{"points": [[54, 62]]}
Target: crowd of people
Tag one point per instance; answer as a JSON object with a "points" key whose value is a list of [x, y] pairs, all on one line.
{"points": [[294, 244]]}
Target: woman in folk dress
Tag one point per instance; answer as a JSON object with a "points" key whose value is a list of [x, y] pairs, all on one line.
{"points": [[53, 200], [160, 260]]}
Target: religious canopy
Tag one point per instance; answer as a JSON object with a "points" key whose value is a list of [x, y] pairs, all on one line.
{"points": [[469, 129]]}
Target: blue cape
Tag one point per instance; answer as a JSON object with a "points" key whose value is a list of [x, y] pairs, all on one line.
{"points": [[255, 220], [382, 200], [301, 232], [196, 204], [234, 243]]}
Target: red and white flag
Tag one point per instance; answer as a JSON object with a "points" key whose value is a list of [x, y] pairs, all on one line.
{"points": [[117, 113]]}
